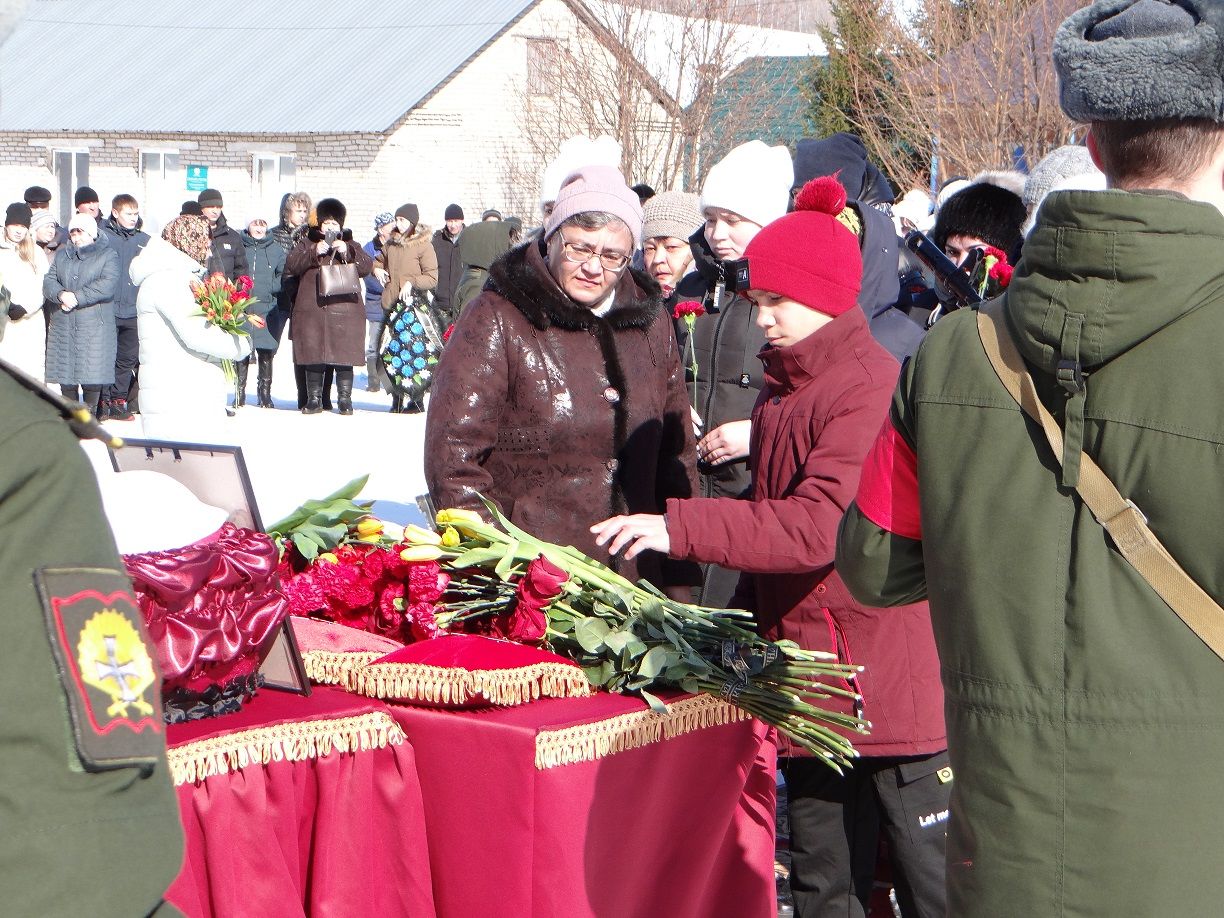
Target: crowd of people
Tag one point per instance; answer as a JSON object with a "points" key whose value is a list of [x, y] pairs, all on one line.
{"points": [[99, 309], [749, 398]]}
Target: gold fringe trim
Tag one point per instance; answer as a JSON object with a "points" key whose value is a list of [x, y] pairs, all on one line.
{"points": [[451, 685], [289, 742], [334, 667], [588, 742]]}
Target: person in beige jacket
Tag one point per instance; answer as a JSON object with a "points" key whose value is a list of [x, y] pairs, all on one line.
{"points": [[407, 263]]}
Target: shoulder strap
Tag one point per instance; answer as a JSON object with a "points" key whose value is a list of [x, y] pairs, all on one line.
{"points": [[1124, 522]]}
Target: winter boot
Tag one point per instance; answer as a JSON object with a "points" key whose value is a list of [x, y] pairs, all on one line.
{"points": [[104, 409], [344, 390], [263, 385], [414, 405], [397, 402], [314, 392], [372, 365], [241, 368], [118, 408], [329, 373], [299, 376]]}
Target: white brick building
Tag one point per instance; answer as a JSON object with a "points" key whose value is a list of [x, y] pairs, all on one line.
{"points": [[423, 102]]}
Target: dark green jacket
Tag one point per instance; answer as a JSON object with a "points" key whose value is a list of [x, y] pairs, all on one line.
{"points": [[1085, 721], [103, 843]]}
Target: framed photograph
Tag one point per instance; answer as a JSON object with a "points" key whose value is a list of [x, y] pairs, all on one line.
{"points": [[218, 476]]}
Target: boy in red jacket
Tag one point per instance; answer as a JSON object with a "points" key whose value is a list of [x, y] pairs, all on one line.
{"points": [[828, 387]]}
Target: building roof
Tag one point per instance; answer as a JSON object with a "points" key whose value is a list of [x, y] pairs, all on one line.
{"points": [[225, 66]]}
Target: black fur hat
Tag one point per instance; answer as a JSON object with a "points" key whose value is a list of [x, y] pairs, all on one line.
{"points": [[330, 209], [985, 211]]}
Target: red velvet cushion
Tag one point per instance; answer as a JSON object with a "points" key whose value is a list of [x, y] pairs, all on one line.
{"points": [[468, 670]]}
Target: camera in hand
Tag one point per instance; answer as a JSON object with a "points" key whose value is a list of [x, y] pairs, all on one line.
{"points": [[736, 276], [330, 236]]}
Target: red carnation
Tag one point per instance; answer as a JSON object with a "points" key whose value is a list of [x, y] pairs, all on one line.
{"points": [[446, 334], [688, 310], [539, 586]]}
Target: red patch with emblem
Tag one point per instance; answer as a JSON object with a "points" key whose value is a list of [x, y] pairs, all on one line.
{"points": [[107, 667]]}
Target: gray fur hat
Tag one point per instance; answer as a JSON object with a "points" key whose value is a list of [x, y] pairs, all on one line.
{"points": [[1059, 164], [1142, 60]]}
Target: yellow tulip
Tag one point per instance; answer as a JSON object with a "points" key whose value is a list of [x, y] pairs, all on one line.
{"points": [[463, 520], [373, 538], [450, 537], [369, 526], [421, 553], [416, 535]]}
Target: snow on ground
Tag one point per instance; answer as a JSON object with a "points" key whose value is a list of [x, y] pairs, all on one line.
{"points": [[293, 457]]}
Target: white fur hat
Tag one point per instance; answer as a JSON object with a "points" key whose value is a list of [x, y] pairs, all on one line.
{"points": [[573, 154], [753, 180]]}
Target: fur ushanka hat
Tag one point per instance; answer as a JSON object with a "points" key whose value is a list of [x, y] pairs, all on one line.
{"points": [[330, 209], [1142, 60]]}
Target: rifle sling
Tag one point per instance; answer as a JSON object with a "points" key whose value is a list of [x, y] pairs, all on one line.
{"points": [[1124, 522]]}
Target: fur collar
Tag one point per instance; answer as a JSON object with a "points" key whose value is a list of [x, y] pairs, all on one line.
{"points": [[521, 276], [420, 231]]}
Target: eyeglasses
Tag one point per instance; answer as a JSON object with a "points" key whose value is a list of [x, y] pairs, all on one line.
{"points": [[581, 254]]}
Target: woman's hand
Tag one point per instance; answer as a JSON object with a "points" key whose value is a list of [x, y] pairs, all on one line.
{"points": [[339, 246], [725, 443], [382, 275], [638, 533], [322, 247], [68, 301]]}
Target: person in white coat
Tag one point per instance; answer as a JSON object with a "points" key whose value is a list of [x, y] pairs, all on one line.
{"points": [[22, 267], [182, 387]]}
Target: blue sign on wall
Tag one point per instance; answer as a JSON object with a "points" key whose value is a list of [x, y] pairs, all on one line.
{"points": [[197, 178]]}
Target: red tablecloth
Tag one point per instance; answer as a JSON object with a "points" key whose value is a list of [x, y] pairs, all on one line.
{"points": [[339, 834], [681, 827]]}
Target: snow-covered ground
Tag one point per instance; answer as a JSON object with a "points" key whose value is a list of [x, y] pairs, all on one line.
{"points": [[292, 457]]}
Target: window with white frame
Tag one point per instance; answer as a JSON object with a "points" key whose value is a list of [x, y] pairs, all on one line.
{"points": [[164, 188], [71, 169], [273, 176]]}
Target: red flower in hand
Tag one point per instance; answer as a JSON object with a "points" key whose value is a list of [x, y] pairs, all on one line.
{"points": [[688, 310]]}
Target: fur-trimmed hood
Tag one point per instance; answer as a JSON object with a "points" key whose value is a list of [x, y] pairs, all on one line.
{"points": [[422, 231], [522, 277]]}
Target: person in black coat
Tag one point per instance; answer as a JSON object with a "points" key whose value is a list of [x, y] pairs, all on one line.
{"points": [[122, 232], [450, 267], [227, 255]]}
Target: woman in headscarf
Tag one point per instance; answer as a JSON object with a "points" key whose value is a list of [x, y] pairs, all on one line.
{"points": [[183, 389]]}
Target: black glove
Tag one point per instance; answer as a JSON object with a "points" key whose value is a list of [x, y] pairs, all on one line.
{"points": [[16, 312]]}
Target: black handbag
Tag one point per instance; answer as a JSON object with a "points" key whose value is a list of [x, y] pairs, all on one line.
{"points": [[337, 281]]}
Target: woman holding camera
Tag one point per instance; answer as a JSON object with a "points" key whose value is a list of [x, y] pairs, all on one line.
{"points": [[327, 331]]}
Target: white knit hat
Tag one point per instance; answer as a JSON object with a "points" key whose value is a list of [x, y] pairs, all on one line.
{"points": [[573, 154], [753, 180], [84, 222]]}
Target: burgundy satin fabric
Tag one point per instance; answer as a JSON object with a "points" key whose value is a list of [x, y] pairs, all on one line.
{"points": [[327, 837], [682, 828], [210, 607]]}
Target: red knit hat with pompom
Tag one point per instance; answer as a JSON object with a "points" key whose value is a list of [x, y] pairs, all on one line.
{"points": [[809, 255]]}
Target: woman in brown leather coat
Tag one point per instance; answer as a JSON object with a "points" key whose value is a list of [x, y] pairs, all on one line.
{"points": [[330, 334], [560, 394]]}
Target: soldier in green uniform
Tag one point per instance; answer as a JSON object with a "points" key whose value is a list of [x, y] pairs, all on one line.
{"points": [[90, 820]]}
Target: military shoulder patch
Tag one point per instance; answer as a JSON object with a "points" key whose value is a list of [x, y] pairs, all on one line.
{"points": [[106, 666]]}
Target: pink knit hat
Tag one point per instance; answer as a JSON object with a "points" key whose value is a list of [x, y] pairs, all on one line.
{"points": [[597, 189]]}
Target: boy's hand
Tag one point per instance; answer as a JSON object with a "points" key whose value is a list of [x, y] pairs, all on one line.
{"points": [[725, 443], [640, 532]]}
